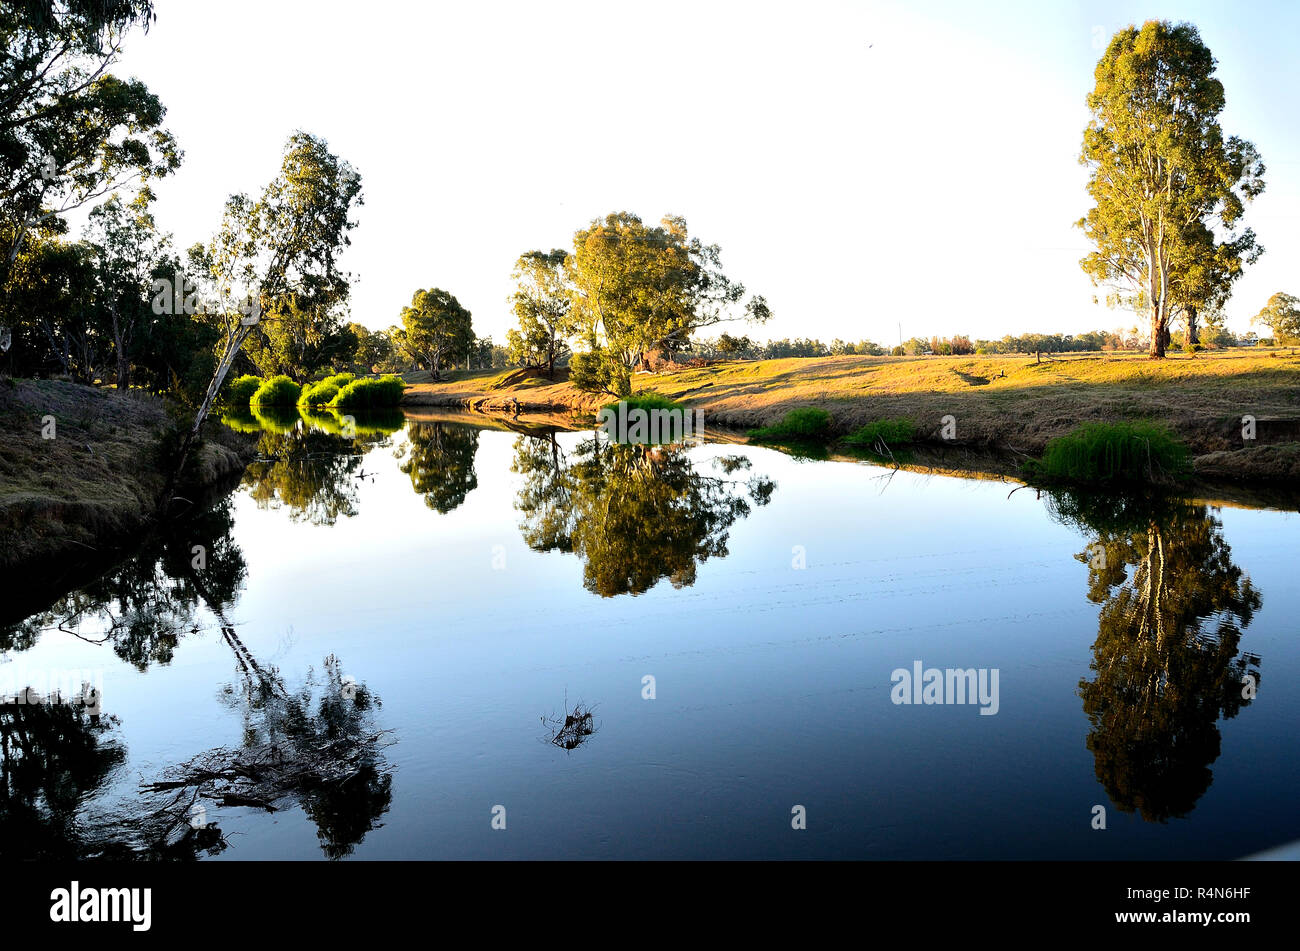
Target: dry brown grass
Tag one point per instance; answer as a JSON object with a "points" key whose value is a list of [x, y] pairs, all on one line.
{"points": [[96, 481], [998, 401]]}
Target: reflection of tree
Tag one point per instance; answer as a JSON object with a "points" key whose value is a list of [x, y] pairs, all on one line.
{"points": [[1166, 662], [441, 463], [310, 460], [308, 471], [636, 514], [52, 757], [144, 605], [316, 747]]}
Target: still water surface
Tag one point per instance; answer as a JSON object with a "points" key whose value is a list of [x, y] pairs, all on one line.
{"points": [[405, 618]]}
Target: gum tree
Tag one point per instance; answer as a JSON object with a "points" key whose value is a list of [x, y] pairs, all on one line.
{"points": [[543, 305], [638, 288], [127, 248], [1162, 174], [70, 131], [1206, 272], [1282, 315], [275, 255], [435, 327]]}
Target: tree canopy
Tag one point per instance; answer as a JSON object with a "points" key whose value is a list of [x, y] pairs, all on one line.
{"points": [[1282, 314], [637, 288], [542, 303], [435, 327], [1169, 188]]}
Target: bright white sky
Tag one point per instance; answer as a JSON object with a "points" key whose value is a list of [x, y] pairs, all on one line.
{"points": [[861, 164]]}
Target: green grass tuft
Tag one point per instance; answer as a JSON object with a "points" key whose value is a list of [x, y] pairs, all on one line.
{"points": [[370, 393], [319, 393], [889, 432], [239, 392], [647, 400], [1127, 452], [802, 425], [277, 391]]}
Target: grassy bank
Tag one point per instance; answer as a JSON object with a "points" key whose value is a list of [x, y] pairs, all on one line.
{"points": [[1011, 403], [97, 481]]}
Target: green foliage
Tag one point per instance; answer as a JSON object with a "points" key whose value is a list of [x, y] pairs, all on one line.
{"points": [[1282, 314], [646, 400], [318, 394], [72, 131], [1128, 452], [305, 337], [1164, 179], [238, 394], [542, 303], [639, 288], [435, 327], [591, 372], [279, 391], [370, 393], [375, 351], [807, 424], [890, 432]]}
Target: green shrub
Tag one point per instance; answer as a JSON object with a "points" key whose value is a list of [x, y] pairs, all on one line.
{"points": [[798, 424], [238, 393], [592, 373], [1129, 452], [319, 393], [277, 391], [340, 380], [370, 393], [891, 432], [647, 400]]}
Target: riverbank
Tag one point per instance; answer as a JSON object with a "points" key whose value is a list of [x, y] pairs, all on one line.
{"points": [[82, 470], [1013, 404]]}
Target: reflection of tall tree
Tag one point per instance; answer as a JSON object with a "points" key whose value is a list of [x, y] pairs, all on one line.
{"points": [[307, 470], [636, 514], [144, 605], [52, 757], [315, 747], [441, 463], [1166, 657]]}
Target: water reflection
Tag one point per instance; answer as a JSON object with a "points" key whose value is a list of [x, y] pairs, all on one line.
{"points": [[52, 757], [635, 514], [143, 606], [1166, 662], [311, 462], [440, 462], [315, 746]]}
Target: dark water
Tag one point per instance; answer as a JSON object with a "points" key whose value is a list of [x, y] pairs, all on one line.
{"points": [[382, 635]]}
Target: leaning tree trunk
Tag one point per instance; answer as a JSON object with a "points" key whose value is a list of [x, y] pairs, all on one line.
{"points": [[233, 345]]}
